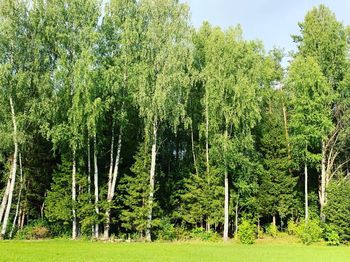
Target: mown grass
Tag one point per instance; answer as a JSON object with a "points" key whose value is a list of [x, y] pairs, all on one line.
{"points": [[264, 250]]}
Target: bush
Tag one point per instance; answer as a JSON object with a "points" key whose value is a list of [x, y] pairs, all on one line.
{"points": [[166, 230], [292, 227], [337, 210], [333, 239], [260, 233], [309, 232], [331, 235], [37, 230], [201, 234], [246, 232], [182, 233], [272, 230]]}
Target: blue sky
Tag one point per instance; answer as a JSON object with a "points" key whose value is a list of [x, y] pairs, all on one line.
{"points": [[272, 21]]}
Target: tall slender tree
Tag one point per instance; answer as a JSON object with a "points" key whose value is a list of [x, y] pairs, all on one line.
{"points": [[165, 60], [310, 115]]}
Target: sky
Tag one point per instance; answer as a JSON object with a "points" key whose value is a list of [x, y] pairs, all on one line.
{"points": [[272, 21]]}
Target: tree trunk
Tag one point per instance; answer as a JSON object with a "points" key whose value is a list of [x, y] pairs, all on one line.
{"points": [[111, 186], [13, 171], [4, 198], [96, 186], [22, 219], [207, 137], [236, 217], [19, 197], [226, 207], [193, 152], [74, 197], [286, 130], [152, 175], [89, 179], [306, 195], [322, 188]]}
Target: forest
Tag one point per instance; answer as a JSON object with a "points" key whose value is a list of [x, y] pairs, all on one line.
{"points": [[121, 119]]}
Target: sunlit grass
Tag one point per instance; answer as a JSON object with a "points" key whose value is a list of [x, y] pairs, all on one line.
{"points": [[284, 248]]}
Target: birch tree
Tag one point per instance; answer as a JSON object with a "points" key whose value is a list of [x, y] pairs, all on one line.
{"points": [[118, 49], [73, 24], [310, 114], [165, 61], [231, 79], [323, 37], [14, 85]]}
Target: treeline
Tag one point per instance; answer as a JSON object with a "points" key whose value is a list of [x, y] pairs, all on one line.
{"points": [[123, 119]]}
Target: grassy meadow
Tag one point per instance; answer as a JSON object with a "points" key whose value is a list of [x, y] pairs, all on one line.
{"points": [[263, 250]]}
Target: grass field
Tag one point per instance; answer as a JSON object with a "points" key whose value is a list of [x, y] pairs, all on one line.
{"points": [[66, 251]]}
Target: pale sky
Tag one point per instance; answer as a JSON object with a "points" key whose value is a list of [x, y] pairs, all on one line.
{"points": [[272, 21]]}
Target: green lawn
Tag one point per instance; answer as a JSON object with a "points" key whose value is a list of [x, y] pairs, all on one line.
{"points": [[66, 250]]}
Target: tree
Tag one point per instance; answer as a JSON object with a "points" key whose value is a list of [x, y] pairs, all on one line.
{"points": [[326, 39], [309, 99], [232, 81], [277, 190], [118, 49], [73, 24], [163, 86], [337, 209]]}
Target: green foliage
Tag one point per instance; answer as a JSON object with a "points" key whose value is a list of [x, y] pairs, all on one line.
{"points": [[292, 227], [337, 210], [332, 237], [37, 230], [272, 230], [195, 205], [58, 201], [246, 232], [324, 38], [277, 191], [166, 230], [135, 192], [201, 234], [211, 102], [260, 233], [309, 232], [310, 97]]}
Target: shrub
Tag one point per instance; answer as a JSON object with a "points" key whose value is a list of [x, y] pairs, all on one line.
{"points": [[166, 230], [201, 234], [337, 210], [272, 230], [260, 233], [37, 230], [292, 227], [331, 235], [309, 232], [246, 232], [182, 233], [333, 239]]}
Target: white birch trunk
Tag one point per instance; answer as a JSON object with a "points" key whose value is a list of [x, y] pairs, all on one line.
{"points": [[19, 197], [96, 186], [226, 208], [74, 197], [4, 199], [207, 137], [152, 175], [306, 195], [13, 171], [111, 186], [322, 188], [89, 180]]}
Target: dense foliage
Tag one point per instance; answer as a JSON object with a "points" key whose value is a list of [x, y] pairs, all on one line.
{"points": [[121, 118]]}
